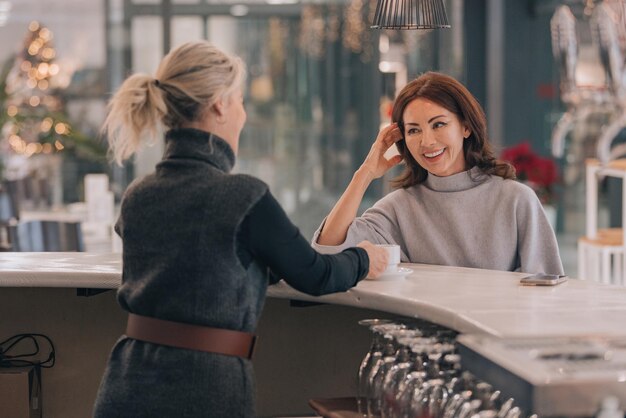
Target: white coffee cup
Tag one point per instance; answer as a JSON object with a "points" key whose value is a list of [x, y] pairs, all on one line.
{"points": [[393, 250]]}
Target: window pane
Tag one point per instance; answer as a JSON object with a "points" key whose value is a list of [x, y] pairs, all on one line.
{"points": [[147, 51], [222, 31], [186, 28], [146, 1]]}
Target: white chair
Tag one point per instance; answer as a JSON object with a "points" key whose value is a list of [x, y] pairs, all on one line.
{"points": [[601, 252]]}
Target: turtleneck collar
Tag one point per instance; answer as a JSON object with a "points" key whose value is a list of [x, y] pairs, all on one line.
{"points": [[200, 145], [457, 182]]}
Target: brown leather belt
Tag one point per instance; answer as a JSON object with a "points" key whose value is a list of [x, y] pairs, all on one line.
{"points": [[191, 337]]}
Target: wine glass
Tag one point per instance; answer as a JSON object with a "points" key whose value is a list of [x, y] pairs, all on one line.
{"points": [[377, 327], [396, 353], [377, 376], [411, 387], [397, 375]]}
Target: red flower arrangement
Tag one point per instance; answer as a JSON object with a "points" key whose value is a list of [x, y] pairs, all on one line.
{"points": [[540, 173]]}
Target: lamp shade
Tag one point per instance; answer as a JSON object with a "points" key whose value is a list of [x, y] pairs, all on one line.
{"points": [[410, 14]]}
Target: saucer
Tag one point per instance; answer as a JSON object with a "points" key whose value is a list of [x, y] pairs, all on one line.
{"points": [[400, 273]]}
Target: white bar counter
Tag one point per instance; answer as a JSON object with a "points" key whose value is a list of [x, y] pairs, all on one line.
{"points": [[302, 352], [464, 299], [58, 269]]}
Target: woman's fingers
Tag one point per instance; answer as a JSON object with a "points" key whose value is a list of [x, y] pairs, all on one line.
{"points": [[394, 161], [378, 258], [392, 134], [376, 162], [388, 136]]}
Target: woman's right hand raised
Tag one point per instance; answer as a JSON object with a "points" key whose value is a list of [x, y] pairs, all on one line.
{"points": [[378, 258], [376, 163]]}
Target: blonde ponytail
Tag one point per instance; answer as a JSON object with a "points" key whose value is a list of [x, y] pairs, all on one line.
{"points": [[188, 81], [136, 109]]}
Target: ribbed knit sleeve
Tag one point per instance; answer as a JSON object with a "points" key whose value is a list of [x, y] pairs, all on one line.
{"points": [[379, 225], [537, 245], [466, 220], [274, 241]]}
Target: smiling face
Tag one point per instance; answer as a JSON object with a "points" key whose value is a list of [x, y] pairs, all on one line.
{"points": [[434, 136]]}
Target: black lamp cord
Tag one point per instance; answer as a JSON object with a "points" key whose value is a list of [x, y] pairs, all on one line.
{"points": [[20, 360]]}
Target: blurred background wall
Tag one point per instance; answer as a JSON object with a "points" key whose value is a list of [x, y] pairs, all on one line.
{"points": [[320, 84]]}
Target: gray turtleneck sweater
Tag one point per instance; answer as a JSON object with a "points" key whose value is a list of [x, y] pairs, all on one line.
{"points": [[468, 219]]}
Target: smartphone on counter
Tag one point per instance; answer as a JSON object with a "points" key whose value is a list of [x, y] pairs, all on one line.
{"points": [[542, 279]]}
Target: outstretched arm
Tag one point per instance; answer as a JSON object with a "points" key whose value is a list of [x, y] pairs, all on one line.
{"points": [[272, 239]]}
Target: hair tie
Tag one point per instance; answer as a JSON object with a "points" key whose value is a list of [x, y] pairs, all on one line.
{"points": [[157, 82]]}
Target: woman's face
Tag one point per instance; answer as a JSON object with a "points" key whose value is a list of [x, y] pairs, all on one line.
{"points": [[235, 113], [434, 136]]}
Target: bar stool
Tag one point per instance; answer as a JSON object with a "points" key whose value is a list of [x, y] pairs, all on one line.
{"points": [[601, 252]]}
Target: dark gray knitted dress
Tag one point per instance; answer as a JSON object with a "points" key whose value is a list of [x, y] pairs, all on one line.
{"points": [[180, 263]]}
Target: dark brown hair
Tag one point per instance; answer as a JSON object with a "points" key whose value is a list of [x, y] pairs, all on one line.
{"points": [[453, 96]]}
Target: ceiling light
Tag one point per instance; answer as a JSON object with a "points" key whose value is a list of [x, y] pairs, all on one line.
{"points": [[410, 14]]}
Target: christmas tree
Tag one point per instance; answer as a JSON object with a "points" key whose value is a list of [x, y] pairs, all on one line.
{"points": [[33, 118]]}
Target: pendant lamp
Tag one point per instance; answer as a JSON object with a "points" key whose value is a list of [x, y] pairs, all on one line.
{"points": [[410, 14]]}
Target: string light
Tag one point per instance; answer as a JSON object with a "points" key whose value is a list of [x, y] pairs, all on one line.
{"points": [[48, 53], [60, 128], [353, 26], [356, 37], [46, 124], [312, 31], [43, 69], [320, 25], [30, 149], [27, 88], [334, 23], [45, 34], [14, 140]]}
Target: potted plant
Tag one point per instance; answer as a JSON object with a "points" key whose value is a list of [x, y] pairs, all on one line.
{"points": [[540, 173]]}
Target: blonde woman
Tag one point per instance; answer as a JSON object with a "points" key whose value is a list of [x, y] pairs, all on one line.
{"points": [[197, 245]]}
